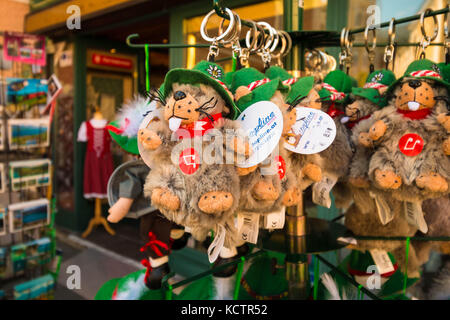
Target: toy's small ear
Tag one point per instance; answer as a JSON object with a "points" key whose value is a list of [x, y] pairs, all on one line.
{"points": [[241, 92], [226, 109], [382, 90]]}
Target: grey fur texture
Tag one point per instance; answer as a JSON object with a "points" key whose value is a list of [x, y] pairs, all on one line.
{"points": [[387, 155], [208, 178]]}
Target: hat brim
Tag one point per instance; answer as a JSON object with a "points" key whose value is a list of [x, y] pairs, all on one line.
{"points": [[262, 93], [325, 95], [396, 82], [300, 89], [129, 144], [186, 76], [370, 94]]}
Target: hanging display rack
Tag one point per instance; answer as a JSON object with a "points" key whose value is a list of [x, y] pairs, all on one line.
{"points": [[293, 242]]}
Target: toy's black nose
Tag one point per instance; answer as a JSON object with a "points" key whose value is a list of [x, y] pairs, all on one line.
{"points": [[179, 95], [414, 84]]}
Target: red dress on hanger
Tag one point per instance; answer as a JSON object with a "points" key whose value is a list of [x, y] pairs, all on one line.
{"points": [[98, 164]]}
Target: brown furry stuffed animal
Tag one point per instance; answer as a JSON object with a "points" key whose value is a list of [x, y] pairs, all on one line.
{"points": [[263, 190], [409, 139], [368, 224], [196, 188]]}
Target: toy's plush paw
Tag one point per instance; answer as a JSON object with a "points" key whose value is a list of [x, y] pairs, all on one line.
{"points": [[149, 139], [245, 171], [264, 190], [313, 172], [164, 198], [241, 147], [444, 120], [433, 182], [446, 146], [292, 197], [365, 140], [387, 179], [359, 182], [377, 130], [215, 202]]}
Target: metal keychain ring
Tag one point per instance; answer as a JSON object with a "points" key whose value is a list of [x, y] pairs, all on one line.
{"points": [[366, 39], [236, 30], [255, 45], [289, 43], [270, 39], [282, 50], [204, 33], [254, 30], [275, 40], [422, 26], [391, 31]]}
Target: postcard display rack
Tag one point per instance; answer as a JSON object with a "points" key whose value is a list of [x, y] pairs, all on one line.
{"points": [[28, 259], [304, 239]]}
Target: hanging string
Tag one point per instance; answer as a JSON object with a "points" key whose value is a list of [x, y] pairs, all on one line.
{"points": [[360, 294], [316, 277], [147, 68], [406, 265], [239, 278]]}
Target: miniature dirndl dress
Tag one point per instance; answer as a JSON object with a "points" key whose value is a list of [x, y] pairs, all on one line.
{"points": [[98, 165]]}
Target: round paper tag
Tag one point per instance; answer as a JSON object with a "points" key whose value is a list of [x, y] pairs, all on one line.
{"points": [[281, 165], [152, 113], [313, 132], [263, 123], [411, 144], [189, 161]]}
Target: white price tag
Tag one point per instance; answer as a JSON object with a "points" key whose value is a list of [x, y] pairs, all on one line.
{"points": [[263, 123], [321, 191], [414, 215], [274, 220], [381, 258], [248, 226], [384, 211], [313, 132]]}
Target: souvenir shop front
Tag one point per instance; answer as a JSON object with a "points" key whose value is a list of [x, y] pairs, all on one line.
{"points": [[341, 169]]}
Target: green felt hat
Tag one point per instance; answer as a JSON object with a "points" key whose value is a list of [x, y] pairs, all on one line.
{"points": [[263, 92], [338, 80], [204, 72], [424, 69], [300, 89], [445, 69], [375, 79], [228, 78], [277, 72], [360, 261], [129, 144]]}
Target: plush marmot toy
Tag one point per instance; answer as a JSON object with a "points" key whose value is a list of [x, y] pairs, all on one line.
{"points": [[409, 136], [306, 168], [365, 101], [368, 224], [335, 160], [197, 189], [264, 188], [125, 195]]}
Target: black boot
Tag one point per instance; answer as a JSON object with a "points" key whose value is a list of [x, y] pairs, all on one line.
{"points": [[180, 243], [153, 276]]}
